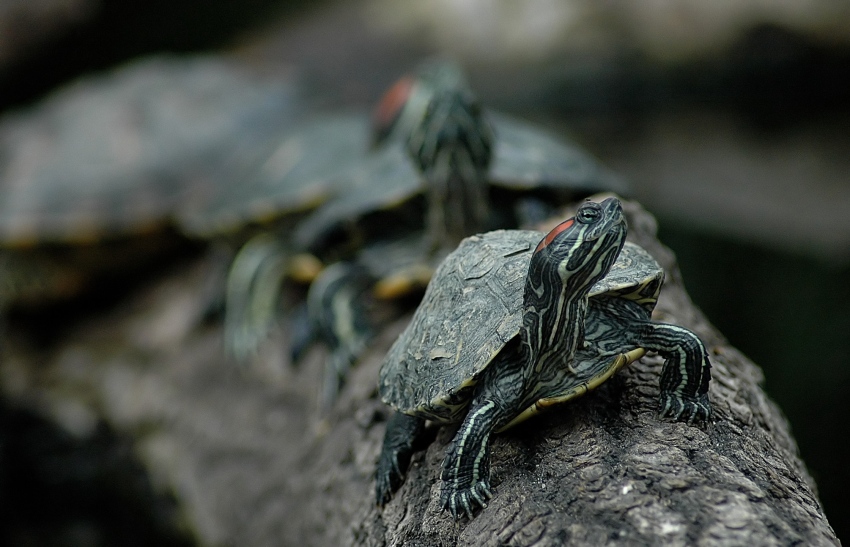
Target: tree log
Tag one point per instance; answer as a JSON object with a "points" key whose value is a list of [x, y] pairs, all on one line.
{"points": [[252, 462]]}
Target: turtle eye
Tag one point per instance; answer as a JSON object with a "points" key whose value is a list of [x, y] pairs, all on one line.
{"points": [[589, 213]]}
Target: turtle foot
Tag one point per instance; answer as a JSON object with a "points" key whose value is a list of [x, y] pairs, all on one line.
{"points": [[402, 434], [388, 478], [465, 500], [685, 409]]}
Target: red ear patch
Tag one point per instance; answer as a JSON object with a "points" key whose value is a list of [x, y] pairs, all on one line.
{"points": [[391, 103], [554, 233]]}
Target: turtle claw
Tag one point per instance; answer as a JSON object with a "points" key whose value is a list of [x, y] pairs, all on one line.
{"points": [[402, 434], [387, 479], [685, 409], [464, 502]]}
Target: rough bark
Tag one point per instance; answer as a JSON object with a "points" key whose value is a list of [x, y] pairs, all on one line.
{"points": [[253, 463]]}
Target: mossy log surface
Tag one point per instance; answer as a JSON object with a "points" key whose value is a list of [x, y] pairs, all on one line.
{"points": [[251, 462]]}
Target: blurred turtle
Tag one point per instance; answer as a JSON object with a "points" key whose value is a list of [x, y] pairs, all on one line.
{"points": [[455, 163], [181, 149], [272, 178], [92, 177], [462, 148]]}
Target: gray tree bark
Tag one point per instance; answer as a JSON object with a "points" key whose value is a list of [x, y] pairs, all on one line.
{"points": [[252, 462]]}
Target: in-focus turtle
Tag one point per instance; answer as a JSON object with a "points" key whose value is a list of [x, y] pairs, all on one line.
{"points": [[484, 351]]}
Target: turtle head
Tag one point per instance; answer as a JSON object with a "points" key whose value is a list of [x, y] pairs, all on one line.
{"points": [[582, 249], [450, 141], [403, 105], [566, 263]]}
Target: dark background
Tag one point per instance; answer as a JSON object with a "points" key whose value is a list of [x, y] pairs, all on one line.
{"points": [[734, 133]]}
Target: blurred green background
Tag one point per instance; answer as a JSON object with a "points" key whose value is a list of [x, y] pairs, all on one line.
{"points": [[731, 120]]}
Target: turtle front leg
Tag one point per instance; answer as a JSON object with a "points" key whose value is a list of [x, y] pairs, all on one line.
{"points": [[401, 437], [466, 467], [499, 397], [686, 372]]}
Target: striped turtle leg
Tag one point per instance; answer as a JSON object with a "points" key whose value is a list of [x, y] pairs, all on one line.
{"points": [[302, 335], [686, 372], [466, 467], [616, 324], [402, 436], [500, 395], [254, 285]]}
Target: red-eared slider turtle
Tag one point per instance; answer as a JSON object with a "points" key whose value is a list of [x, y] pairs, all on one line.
{"points": [[112, 157], [482, 351], [118, 153], [461, 146], [454, 160], [452, 145]]}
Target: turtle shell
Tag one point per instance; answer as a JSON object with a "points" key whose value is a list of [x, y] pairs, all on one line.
{"points": [[116, 154], [472, 308], [525, 158], [272, 176]]}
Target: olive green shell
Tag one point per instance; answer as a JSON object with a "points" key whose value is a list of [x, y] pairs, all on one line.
{"points": [[117, 154], [270, 177], [473, 307]]}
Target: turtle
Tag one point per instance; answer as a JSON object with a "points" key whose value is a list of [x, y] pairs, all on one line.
{"points": [[93, 176], [280, 173], [513, 323], [275, 181], [121, 152], [350, 299], [263, 262], [454, 161]]}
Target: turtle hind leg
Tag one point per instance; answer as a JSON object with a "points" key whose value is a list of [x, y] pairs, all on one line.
{"points": [[400, 441], [686, 373]]}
